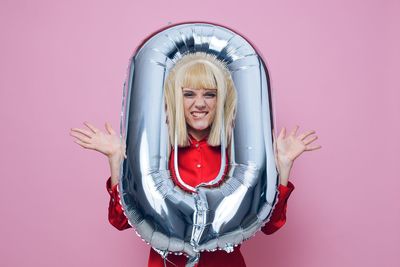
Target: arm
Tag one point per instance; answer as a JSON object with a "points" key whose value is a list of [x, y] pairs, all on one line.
{"points": [[111, 145], [286, 150], [116, 215], [278, 217]]}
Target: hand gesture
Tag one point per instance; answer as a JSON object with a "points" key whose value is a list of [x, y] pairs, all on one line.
{"points": [[108, 143], [288, 148]]}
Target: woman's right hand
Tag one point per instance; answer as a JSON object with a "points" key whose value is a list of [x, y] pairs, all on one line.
{"points": [[108, 143]]}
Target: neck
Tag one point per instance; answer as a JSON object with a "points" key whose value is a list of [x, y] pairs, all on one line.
{"points": [[199, 134]]}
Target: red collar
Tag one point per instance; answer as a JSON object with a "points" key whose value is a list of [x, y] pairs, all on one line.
{"points": [[193, 140]]}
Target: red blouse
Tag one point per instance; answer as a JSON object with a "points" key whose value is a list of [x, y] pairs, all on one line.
{"points": [[199, 163]]}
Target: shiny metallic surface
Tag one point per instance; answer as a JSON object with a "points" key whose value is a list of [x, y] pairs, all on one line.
{"points": [[163, 215]]}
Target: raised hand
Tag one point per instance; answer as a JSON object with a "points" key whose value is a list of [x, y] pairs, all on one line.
{"points": [[108, 143], [290, 147]]}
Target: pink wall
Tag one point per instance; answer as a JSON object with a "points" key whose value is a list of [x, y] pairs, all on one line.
{"points": [[332, 65]]}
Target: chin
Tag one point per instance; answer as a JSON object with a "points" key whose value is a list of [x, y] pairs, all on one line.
{"points": [[200, 126]]}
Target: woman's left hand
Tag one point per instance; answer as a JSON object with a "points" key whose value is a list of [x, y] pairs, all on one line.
{"points": [[288, 148]]}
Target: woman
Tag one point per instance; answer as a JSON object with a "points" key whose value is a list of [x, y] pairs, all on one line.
{"points": [[198, 92]]}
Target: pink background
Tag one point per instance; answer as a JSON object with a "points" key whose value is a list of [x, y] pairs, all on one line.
{"points": [[334, 68]]}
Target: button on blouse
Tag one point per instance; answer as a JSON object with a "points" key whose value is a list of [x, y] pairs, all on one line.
{"points": [[197, 155]]}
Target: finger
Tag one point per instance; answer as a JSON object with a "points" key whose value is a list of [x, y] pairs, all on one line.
{"points": [[82, 131], [274, 145], [84, 145], [282, 134], [81, 137], [110, 129], [304, 135], [294, 131], [91, 127], [306, 142], [312, 148], [124, 149]]}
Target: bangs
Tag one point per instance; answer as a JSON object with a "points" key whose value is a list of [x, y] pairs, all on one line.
{"points": [[199, 71], [199, 76]]}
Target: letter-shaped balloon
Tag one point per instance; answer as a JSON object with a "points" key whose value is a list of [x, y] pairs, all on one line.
{"points": [[163, 215]]}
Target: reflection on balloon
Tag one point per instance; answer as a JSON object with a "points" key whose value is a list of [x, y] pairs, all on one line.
{"points": [[164, 216]]}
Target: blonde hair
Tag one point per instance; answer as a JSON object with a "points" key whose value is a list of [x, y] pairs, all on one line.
{"points": [[200, 70]]}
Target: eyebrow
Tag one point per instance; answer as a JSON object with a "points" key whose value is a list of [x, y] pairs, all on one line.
{"points": [[187, 89]]}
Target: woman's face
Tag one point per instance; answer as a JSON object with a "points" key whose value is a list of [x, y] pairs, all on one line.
{"points": [[199, 106]]}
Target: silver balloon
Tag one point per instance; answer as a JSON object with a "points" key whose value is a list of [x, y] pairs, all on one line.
{"points": [[164, 216]]}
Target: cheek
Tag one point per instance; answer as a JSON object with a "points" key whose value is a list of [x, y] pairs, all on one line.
{"points": [[186, 105], [212, 104]]}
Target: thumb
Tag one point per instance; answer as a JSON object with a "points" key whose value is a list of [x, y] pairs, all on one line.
{"points": [[109, 128], [124, 149], [123, 146], [274, 146]]}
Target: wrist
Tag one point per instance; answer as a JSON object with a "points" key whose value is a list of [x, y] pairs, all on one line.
{"points": [[115, 167], [285, 162], [284, 178], [284, 174], [115, 158], [284, 182]]}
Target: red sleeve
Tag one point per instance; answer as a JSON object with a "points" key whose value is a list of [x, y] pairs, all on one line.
{"points": [[278, 217], [116, 215]]}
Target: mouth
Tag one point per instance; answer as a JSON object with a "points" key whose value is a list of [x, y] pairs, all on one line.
{"points": [[199, 114]]}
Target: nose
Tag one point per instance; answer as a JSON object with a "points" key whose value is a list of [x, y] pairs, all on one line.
{"points": [[200, 102]]}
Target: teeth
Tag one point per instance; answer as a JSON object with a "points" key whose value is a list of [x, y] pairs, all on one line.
{"points": [[199, 114]]}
